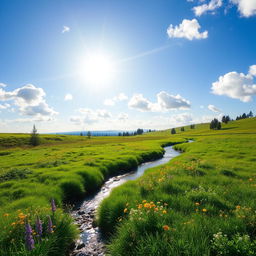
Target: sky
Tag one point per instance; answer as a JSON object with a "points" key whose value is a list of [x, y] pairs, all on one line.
{"points": [[122, 65]]}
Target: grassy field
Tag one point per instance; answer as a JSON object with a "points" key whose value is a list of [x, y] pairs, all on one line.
{"points": [[176, 209], [63, 168], [201, 203]]}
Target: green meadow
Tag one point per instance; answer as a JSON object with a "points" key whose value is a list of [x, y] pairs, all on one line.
{"points": [[200, 203], [65, 168]]}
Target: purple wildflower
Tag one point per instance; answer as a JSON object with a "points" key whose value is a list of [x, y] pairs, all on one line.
{"points": [[53, 205], [30, 243], [39, 228], [49, 229]]}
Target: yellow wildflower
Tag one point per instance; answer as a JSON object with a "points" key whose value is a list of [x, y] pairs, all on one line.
{"points": [[204, 210], [164, 211], [125, 210], [197, 203], [140, 206], [6, 214]]}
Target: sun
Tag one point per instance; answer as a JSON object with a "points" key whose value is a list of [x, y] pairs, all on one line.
{"points": [[98, 69]]}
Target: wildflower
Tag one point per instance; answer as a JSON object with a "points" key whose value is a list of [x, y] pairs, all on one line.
{"points": [[39, 228], [140, 206], [166, 227], [6, 214], [204, 210], [144, 201], [156, 209], [164, 211], [238, 207], [53, 205], [125, 210], [49, 228], [30, 244], [197, 204], [147, 205]]}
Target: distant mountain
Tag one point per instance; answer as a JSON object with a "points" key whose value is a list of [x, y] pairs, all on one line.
{"points": [[94, 133], [98, 133]]}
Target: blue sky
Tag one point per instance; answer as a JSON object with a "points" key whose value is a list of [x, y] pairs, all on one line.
{"points": [[95, 65]]}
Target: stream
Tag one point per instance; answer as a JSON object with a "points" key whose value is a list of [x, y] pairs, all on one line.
{"points": [[91, 242]]}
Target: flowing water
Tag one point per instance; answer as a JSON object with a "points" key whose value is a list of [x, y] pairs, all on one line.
{"points": [[91, 242]]}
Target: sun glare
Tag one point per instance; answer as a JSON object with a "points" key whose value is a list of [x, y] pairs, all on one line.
{"points": [[98, 69]]}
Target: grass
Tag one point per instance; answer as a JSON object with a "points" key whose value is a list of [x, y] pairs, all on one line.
{"points": [[175, 209], [65, 168], [200, 203]]}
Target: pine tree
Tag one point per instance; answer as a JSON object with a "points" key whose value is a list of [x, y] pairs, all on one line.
{"points": [[34, 138], [215, 124], [182, 129], [89, 135], [173, 131]]}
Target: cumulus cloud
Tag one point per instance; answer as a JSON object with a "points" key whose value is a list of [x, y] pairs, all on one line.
{"points": [[181, 119], [246, 8], [252, 70], [165, 102], [210, 7], [111, 102], [236, 85], [171, 102], [213, 108], [90, 116], [30, 101], [68, 96], [2, 85], [140, 103], [65, 29], [188, 29]]}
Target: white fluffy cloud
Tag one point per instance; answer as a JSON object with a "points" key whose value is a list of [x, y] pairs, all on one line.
{"points": [[111, 102], [188, 29], [65, 29], [252, 70], [30, 101], [210, 7], [246, 8], [236, 85], [2, 85], [140, 103], [165, 102], [90, 116], [171, 102], [213, 108], [181, 119], [68, 96]]}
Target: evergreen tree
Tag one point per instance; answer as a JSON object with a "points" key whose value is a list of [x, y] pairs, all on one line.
{"points": [[182, 129], [250, 114], [215, 124], [173, 131], [139, 131], [34, 138], [89, 135], [192, 126]]}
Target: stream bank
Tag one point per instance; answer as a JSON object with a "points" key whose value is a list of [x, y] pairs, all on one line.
{"points": [[91, 242]]}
